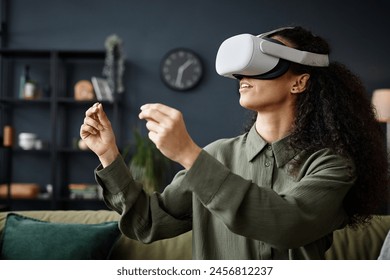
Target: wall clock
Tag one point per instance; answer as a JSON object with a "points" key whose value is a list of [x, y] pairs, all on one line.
{"points": [[181, 69]]}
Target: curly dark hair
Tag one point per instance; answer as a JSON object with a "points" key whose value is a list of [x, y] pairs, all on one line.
{"points": [[336, 113]]}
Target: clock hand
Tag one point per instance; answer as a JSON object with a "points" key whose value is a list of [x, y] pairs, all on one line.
{"points": [[185, 65], [178, 78], [180, 71]]}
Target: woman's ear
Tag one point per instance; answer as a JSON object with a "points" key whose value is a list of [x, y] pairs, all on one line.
{"points": [[300, 84]]}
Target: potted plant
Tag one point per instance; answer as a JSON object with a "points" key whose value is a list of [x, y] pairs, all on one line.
{"points": [[147, 164]]}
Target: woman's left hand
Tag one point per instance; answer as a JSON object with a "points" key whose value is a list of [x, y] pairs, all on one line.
{"points": [[168, 131]]}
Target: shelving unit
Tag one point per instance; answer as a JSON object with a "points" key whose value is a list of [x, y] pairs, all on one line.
{"points": [[55, 116]]}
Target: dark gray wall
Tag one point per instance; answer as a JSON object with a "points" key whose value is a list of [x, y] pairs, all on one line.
{"points": [[357, 30]]}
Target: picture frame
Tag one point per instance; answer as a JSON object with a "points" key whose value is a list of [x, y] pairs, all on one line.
{"points": [[102, 90]]}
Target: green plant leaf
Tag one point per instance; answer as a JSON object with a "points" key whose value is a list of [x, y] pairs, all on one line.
{"points": [[147, 164]]}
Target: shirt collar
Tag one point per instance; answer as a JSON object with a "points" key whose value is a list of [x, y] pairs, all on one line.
{"points": [[281, 149], [254, 143]]}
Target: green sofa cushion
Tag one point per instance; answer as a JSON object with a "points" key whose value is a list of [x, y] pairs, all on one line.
{"points": [[28, 238]]}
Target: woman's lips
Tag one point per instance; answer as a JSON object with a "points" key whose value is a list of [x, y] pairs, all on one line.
{"points": [[245, 85]]}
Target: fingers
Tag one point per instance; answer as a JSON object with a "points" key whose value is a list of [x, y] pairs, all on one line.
{"points": [[91, 112], [93, 123], [154, 126], [162, 120], [86, 130], [102, 117], [96, 117], [95, 120], [168, 132], [159, 107], [153, 136], [159, 113]]}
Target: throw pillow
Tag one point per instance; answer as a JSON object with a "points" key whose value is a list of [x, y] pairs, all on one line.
{"points": [[26, 238]]}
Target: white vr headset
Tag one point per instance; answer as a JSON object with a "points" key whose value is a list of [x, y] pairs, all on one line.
{"points": [[261, 57]]}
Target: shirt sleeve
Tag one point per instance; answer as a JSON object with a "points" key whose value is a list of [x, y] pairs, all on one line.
{"points": [[309, 210], [145, 217]]}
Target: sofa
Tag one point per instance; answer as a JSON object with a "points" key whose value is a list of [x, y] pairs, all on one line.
{"points": [[364, 243]]}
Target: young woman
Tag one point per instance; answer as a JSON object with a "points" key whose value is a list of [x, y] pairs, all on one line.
{"points": [[313, 161]]}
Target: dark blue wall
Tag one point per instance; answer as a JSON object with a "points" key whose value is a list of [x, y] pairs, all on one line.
{"points": [[357, 30]]}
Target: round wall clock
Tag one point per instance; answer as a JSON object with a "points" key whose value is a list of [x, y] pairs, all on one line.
{"points": [[181, 69]]}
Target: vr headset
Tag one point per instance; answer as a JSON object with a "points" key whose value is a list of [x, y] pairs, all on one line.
{"points": [[261, 57]]}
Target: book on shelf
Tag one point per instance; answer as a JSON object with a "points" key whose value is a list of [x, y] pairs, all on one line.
{"points": [[102, 90], [84, 191]]}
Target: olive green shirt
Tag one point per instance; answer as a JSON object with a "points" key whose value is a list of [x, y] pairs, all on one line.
{"points": [[240, 201]]}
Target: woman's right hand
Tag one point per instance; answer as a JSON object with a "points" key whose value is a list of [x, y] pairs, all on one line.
{"points": [[98, 135]]}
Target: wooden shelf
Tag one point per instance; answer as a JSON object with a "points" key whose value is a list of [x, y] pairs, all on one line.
{"points": [[56, 117]]}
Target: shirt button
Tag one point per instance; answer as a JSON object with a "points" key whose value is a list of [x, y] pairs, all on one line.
{"points": [[267, 164], [269, 152]]}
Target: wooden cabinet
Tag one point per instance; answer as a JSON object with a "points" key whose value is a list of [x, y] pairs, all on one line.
{"points": [[53, 116]]}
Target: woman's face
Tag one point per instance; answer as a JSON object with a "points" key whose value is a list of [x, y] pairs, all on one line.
{"points": [[274, 95], [267, 95]]}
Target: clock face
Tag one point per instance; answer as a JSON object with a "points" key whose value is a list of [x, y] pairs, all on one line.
{"points": [[181, 69]]}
